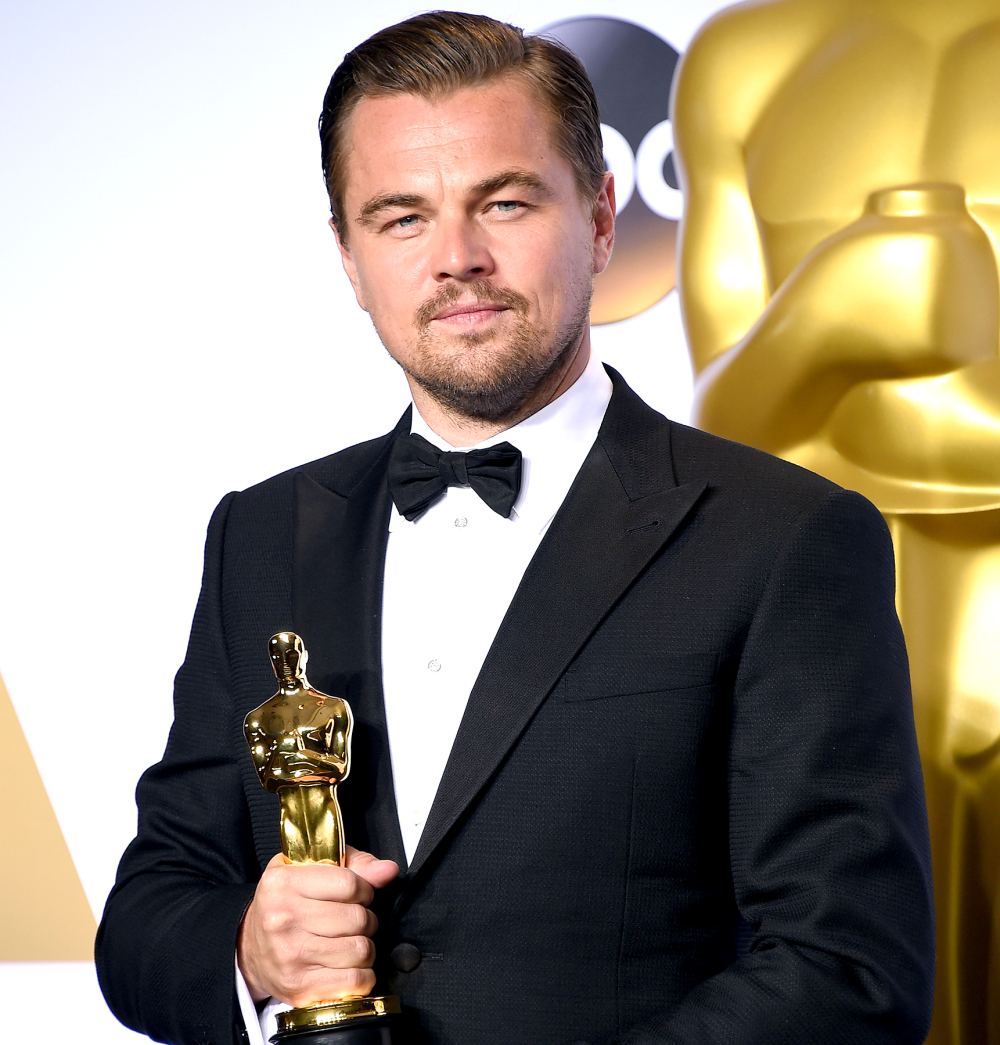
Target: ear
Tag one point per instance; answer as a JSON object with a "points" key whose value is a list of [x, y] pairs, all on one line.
{"points": [[604, 223], [347, 260]]}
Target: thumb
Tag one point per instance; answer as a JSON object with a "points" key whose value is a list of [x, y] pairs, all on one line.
{"points": [[374, 871]]}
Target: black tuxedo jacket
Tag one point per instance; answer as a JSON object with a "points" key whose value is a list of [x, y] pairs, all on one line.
{"points": [[683, 806]]}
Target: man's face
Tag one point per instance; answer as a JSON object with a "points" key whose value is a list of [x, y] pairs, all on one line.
{"points": [[471, 246]]}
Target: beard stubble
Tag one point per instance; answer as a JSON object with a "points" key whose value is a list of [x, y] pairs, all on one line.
{"points": [[498, 385]]}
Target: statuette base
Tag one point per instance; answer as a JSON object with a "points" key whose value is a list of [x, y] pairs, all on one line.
{"points": [[355, 1021]]}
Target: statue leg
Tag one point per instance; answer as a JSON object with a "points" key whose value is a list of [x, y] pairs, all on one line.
{"points": [[311, 827], [949, 576]]}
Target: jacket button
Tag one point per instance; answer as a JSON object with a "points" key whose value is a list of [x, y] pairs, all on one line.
{"points": [[405, 956]]}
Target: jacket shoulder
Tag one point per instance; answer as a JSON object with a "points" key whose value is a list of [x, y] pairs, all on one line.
{"points": [[699, 453], [654, 448], [263, 515], [340, 471]]}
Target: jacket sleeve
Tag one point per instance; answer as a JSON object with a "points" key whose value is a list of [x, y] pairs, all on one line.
{"points": [[166, 942], [827, 824]]}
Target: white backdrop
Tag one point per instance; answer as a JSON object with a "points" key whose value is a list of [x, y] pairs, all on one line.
{"points": [[164, 258]]}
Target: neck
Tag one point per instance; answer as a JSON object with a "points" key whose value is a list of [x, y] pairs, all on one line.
{"points": [[459, 430]]}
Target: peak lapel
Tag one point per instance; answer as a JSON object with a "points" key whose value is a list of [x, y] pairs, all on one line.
{"points": [[617, 516], [340, 541]]}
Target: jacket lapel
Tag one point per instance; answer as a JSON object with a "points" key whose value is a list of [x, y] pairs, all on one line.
{"points": [[620, 512], [340, 539]]}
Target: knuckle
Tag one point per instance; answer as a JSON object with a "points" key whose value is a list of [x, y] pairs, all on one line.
{"points": [[363, 951], [340, 883], [356, 919], [358, 981], [275, 877], [275, 921], [273, 889], [354, 888]]}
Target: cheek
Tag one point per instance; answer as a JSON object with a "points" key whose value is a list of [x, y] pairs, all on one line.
{"points": [[569, 250], [569, 272], [395, 284], [392, 307], [378, 288]]}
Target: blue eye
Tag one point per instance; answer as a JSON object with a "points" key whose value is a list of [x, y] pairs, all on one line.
{"points": [[507, 206], [407, 222]]}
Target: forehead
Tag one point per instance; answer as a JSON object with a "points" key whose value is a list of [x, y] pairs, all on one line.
{"points": [[396, 141]]}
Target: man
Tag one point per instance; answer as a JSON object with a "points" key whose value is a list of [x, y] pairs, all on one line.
{"points": [[650, 704]]}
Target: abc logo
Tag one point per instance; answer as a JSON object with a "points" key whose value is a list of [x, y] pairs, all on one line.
{"points": [[632, 70]]}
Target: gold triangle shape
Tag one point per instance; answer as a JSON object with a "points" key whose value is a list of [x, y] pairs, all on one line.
{"points": [[44, 914]]}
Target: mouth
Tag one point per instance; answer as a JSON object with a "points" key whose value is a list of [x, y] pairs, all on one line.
{"points": [[471, 313]]}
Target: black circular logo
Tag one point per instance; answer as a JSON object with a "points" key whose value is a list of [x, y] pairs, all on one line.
{"points": [[632, 70]]}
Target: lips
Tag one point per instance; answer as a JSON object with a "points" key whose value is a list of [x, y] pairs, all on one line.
{"points": [[479, 301], [471, 309]]}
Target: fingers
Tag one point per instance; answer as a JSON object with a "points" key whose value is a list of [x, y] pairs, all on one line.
{"points": [[325, 919], [374, 871], [306, 936], [337, 952], [318, 881], [316, 986]]}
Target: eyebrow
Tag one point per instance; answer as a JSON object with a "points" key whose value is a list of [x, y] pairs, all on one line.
{"points": [[387, 201], [392, 200], [515, 176]]}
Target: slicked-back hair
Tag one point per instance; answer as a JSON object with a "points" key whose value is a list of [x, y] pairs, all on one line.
{"points": [[434, 54]]}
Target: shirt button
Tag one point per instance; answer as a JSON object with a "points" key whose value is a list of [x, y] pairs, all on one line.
{"points": [[405, 956], [461, 522], [433, 665]]}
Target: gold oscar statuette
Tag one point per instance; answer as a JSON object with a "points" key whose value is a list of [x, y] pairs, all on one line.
{"points": [[840, 285], [300, 742]]}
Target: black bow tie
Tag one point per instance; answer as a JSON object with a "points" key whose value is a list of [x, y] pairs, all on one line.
{"points": [[419, 473]]}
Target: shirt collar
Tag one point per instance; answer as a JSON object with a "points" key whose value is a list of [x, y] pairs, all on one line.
{"points": [[554, 443]]}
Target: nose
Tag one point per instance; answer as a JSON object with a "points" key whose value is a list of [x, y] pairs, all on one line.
{"points": [[460, 250]]}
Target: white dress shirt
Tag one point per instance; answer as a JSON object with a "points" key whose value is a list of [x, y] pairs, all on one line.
{"points": [[449, 578]]}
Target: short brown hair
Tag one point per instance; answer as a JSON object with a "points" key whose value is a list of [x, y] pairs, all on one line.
{"points": [[439, 52]]}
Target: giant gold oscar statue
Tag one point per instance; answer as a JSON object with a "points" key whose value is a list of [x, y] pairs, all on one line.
{"points": [[300, 743], [841, 166]]}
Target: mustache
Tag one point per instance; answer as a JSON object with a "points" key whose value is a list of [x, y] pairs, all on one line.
{"points": [[477, 290]]}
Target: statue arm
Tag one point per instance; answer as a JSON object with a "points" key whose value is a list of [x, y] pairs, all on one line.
{"points": [[749, 341], [941, 431], [328, 744], [884, 297], [330, 766], [720, 246]]}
